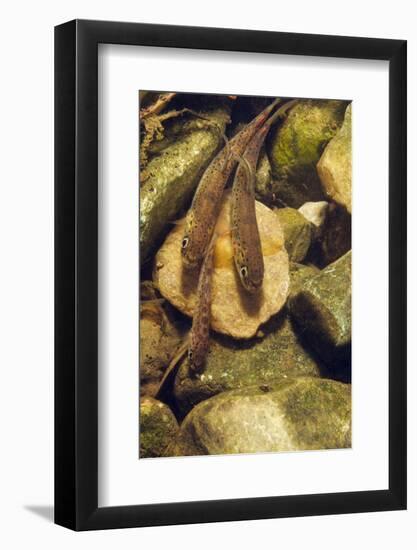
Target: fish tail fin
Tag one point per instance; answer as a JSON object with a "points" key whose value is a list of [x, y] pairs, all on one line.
{"points": [[161, 392], [281, 112], [263, 115]]}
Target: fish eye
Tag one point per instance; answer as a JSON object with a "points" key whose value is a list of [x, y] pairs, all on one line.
{"points": [[184, 243], [190, 355], [244, 271]]}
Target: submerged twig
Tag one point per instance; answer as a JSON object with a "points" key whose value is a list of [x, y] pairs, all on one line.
{"points": [[156, 107]]}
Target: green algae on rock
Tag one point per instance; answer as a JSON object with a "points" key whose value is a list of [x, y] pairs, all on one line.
{"points": [[299, 273], [335, 165], [321, 307], [158, 428], [297, 233], [275, 355], [296, 147], [294, 415], [173, 175]]}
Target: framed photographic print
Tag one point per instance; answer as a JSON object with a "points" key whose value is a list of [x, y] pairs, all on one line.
{"points": [[230, 275]]}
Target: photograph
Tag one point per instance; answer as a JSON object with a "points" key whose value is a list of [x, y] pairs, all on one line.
{"points": [[208, 265], [245, 208]]}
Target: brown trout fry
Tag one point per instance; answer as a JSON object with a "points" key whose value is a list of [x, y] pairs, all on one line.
{"points": [[202, 216], [197, 340], [247, 249], [200, 330]]}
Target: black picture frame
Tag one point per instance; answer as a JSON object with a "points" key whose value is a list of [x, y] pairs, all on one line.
{"points": [[76, 271]]}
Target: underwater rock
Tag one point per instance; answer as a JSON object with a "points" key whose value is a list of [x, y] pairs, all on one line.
{"points": [[299, 273], [233, 311], [335, 165], [173, 175], [263, 175], [295, 415], [334, 238], [315, 213], [297, 233], [275, 355], [158, 338], [142, 95], [322, 309], [158, 428], [295, 149]]}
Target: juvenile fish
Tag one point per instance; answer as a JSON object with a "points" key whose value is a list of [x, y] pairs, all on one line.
{"points": [[199, 337], [197, 341], [201, 218], [247, 249]]}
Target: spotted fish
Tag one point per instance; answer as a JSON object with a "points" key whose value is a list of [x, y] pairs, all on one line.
{"points": [[201, 218], [247, 250], [199, 337], [197, 341]]}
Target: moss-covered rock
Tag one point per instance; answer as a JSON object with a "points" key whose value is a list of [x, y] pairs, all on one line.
{"points": [[293, 415], [275, 355], [299, 274], [158, 428], [296, 147], [335, 165], [321, 308], [297, 233], [173, 175]]}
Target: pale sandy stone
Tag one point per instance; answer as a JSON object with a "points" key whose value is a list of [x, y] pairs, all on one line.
{"points": [[335, 165], [315, 212], [233, 312]]}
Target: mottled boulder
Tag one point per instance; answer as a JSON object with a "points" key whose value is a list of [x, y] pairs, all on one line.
{"points": [[335, 165], [322, 309], [157, 428], [295, 415], [173, 174], [297, 233], [275, 355], [296, 147], [233, 311]]}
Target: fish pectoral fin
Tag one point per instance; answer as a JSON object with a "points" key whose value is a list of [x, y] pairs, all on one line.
{"points": [[177, 222]]}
